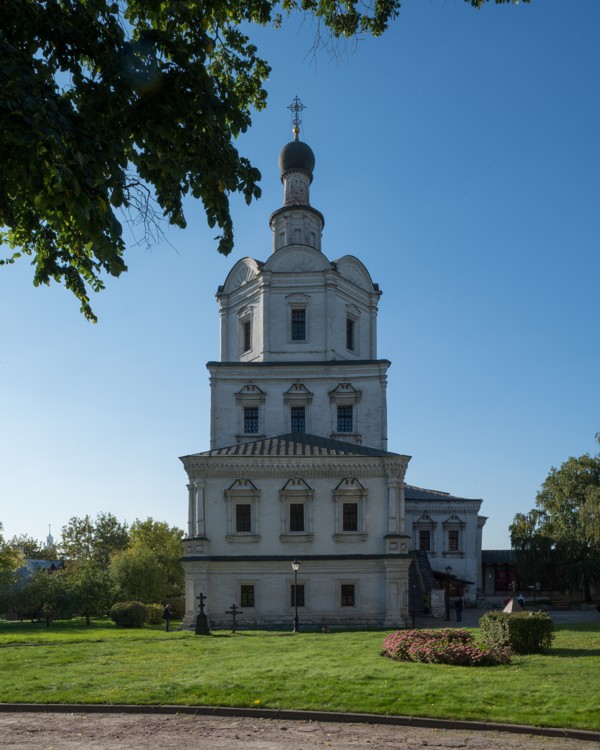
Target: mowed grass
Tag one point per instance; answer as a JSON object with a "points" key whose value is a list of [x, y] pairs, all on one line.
{"points": [[71, 663]]}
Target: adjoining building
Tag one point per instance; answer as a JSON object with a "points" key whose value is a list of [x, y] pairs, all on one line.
{"points": [[299, 467]]}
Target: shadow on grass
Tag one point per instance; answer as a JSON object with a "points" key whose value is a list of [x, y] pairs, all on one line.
{"points": [[573, 653]]}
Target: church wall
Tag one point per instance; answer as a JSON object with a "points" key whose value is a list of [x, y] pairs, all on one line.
{"points": [[367, 380], [444, 516], [272, 580], [267, 299], [271, 534]]}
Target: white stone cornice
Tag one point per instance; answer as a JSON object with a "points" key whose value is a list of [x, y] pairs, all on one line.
{"points": [[447, 508], [254, 467]]}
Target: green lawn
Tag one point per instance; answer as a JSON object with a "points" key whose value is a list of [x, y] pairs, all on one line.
{"points": [[70, 663]]}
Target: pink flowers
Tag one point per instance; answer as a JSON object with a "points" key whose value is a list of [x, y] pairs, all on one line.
{"points": [[445, 646]]}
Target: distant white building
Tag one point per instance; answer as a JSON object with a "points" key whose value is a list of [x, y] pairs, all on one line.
{"points": [[298, 467]]}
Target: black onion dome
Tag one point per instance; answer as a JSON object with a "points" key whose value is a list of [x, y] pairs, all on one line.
{"points": [[297, 155]]}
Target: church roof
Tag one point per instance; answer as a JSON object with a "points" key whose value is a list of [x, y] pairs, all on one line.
{"points": [[499, 556], [296, 444], [419, 493]]}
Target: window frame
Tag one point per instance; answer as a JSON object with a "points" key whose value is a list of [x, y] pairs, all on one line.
{"points": [[454, 528], [301, 590], [350, 491], [297, 305], [245, 332], [250, 397], [351, 333], [242, 593], [348, 585], [425, 523], [298, 326], [296, 492], [242, 492], [296, 419], [344, 420], [251, 420], [345, 397], [297, 396]]}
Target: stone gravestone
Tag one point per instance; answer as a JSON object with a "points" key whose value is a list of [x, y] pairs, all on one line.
{"points": [[234, 612], [202, 619]]}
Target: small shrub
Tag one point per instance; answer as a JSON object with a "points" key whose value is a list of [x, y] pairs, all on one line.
{"points": [[446, 646], [177, 607], [521, 632], [129, 614], [154, 612]]}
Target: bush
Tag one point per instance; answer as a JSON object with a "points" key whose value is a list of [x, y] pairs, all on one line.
{"points": [[447, 646], [521, 632], [154, 612], [129, 614], [177, 607]]}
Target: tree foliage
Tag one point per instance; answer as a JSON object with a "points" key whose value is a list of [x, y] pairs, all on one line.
{"points": [[87, 539], [108, 106], [565, 525], [32, 548], [11, 559], [91, 588], [150, 569]]}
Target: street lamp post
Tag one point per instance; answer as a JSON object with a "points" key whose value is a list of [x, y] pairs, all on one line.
{"points": [[448, 573], [296, 568]]}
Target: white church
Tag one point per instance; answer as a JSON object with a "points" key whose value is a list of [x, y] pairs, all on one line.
{"points": [[299, 469]]}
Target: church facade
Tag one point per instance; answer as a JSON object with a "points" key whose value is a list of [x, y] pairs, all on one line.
{"points": [[298, 468]]}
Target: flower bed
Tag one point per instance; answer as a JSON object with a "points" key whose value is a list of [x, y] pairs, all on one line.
{"points": [[445, 646]]}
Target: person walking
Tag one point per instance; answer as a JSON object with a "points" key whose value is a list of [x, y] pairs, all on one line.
{"points": [[166, 615]]}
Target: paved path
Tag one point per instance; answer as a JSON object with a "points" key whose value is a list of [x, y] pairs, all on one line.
{"points": [[126, 731]]}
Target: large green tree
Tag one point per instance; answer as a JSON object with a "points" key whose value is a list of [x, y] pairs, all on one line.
{"points": [[150, 569], [109, 105], [565, 525], [94, 539], [11, 559]]}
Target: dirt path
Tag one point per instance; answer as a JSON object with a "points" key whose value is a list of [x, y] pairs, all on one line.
{"points": [[61, 731]]}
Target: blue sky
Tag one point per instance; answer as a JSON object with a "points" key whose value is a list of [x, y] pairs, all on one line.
{"points": [[459, 158]]}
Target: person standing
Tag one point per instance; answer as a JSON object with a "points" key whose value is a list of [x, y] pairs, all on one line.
{"points": [[166, 615], [458, 605]]}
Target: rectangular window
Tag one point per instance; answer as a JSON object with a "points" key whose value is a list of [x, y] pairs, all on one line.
{"points": [[246, 596], [350, 517], [347, 593], [296, 516], [298, 419], [425, 540], [299, 324], [344, 419], [299, 592], [350, 330], [243, 518], [251, 420], [453, 540], [247, 333]]}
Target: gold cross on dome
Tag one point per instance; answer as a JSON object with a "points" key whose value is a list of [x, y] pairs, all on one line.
{"points": [[296, 108]]}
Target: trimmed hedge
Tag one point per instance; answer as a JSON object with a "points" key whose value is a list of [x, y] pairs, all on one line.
{"points": [[155, 612], [521, 632], [129, 614]]}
